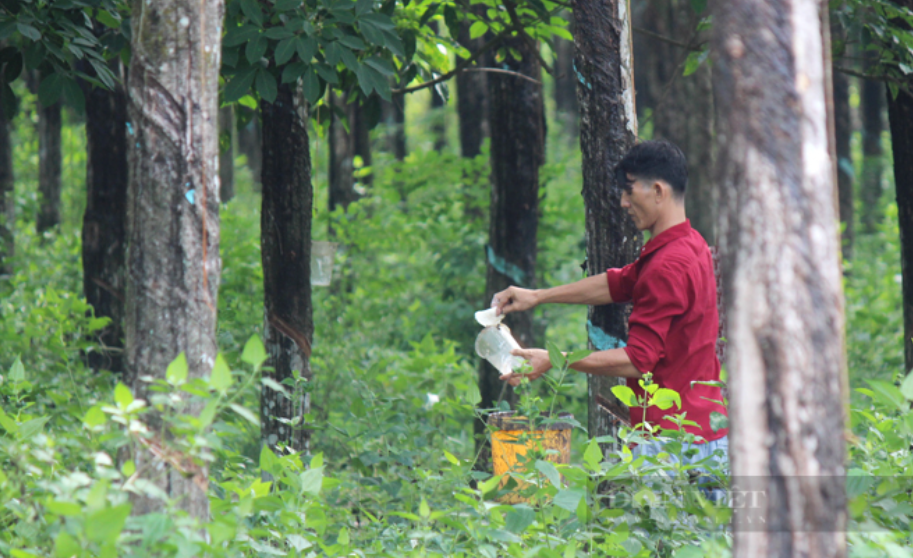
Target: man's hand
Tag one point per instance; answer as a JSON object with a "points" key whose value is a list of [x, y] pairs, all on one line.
{"points": [[514, 299], [537, 358]]}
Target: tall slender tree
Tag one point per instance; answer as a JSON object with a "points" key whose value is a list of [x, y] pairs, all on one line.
{"points": [[341, 153], [7, 182], [565, 80], [226, 153], [49, 166], [517, 148], [285, 229], [608, 128], [104, 223], [872, 101], [843, 131], [684, 112], [472, 100], [173, 216], [781, 276]]}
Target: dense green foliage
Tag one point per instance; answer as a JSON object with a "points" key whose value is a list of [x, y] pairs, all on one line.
{"points": [[391, 468]]}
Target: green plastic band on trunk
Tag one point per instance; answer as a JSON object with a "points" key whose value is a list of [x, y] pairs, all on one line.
{"points": [[504, 267]]}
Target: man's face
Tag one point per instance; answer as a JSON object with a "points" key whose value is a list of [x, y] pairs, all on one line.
{"points": [[639, 200]]}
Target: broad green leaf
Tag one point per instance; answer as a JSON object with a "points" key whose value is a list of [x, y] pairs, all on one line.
{"points": [[593, 454], [94, 417], [569, 499], [266, 86], [689, 552], [293, 71], [906, 388], [718, 421], [256, 49], [555, 356], [352, 42], [451, 458], [7, 423], [285, 49], [519, 518], [381, 65], [28, 31], [694, 61], [487, 486], [65, 546], [311, 481], [31, 427], [316, 461], [122, 396], [105, 525], [625, 395], [477, 29], [278, 32], [208, 414], [67, 509], [664, 398], [108, 19], [17, 371], [128, 468], [349, 59], [286, 5], [306, 47], [423, 510], [246, 413], [887, 394], [74, 95], [176, 374], [220, 379], [548, 469], [251, 9], [50, 89], [254, 352], [268, 459]]}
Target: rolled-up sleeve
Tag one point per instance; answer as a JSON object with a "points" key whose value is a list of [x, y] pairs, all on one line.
{"points": [[621, 282], [661, 297]]}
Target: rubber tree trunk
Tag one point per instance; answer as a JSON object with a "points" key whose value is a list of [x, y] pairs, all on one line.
{"points": [[472, 100], [781, 273], [565, 80], [685, 114], [361, 139], [226, 153], [285, 228], [49, 162], [7, 183], [872, 99], [517, 147], [843, 131], [104, 224], [394, 116], [608, 128], [650, 55], [173, 264]]}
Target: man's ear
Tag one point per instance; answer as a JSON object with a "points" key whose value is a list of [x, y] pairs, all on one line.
{"points": [[661, 190]]}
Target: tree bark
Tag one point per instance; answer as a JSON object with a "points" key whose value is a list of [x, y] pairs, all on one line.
{"points": [[781, 276], [226, 153], [843, 131], [394, 115], [436, 114], [685, 115], [173, 264], [249, 145], [517, 148], [608, 128], [49, 162], [472, 100], [341, 155], [104, 225], [565, 80], [872, 99], [7, 203], [285, 228]]}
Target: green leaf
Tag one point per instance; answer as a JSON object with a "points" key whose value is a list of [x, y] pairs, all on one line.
{"points": [[50, 89], [256, 48], [94, 417], [108, 19], [122, 396], [285, 50], [328, 74], [352, 42], [7, 423], [30, 428], [73, 94], [698, 6], [239, 85], [593, 454], [689, 552], [28, 31], [718, 421], [664, 398], [363, 6], [906, 388], [246, 413], [293, 71], [548, 469], [519, 518], [286, 5], [312, 481], [694, 61], [349, 59], [279, 32], [240, 35], [266, 85], [307, 48], [569, 499], [268, 459], [254, 352], [381, 65], [625, 395], [555, 356], [66, 509], [311, 86], [65, 546], [333, 53], [220, 379], [887, 394], [128, 468], [105, 526], [344, 16], [251, 9], [487, 486], [423, 510], [477, 29], [176, 374], [17, 371], [379, 20]]}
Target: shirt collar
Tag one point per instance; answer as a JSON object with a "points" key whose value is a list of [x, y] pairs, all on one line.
{"points": [[672, 233]]}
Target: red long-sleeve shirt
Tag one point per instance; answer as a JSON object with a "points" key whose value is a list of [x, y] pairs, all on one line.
{"points": [[674, 325]]}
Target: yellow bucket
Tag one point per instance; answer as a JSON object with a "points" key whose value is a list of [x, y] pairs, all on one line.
{"points": [[511, 439]]}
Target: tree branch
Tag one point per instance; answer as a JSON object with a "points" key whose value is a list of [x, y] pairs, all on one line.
{"points": [[669, 40], [459, 67], [876, 77], [515, 19], [500, 71]]}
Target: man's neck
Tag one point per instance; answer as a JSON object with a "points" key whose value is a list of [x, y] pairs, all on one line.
{"points": [[675, 216]]}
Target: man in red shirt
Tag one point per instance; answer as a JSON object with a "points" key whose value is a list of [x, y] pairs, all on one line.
{"points": [[674, 323]]}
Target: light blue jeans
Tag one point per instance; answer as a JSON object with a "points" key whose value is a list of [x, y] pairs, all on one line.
{"points": [[704, 451]]}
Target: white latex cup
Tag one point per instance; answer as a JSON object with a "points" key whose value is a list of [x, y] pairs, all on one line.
{"points": [[494, 344], [488, 318], [322, 254]]}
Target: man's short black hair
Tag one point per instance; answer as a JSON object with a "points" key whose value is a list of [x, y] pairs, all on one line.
{"points": [[655, 160]]}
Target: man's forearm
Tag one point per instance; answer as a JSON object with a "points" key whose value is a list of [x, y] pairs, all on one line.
{"points": [[592, 291], [614, 362]]}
